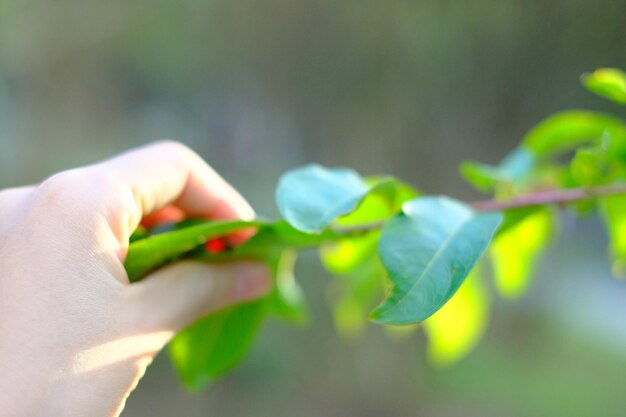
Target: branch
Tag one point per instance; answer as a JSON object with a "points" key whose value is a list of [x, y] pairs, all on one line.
{"points": [[539, 198], [559, 196]]}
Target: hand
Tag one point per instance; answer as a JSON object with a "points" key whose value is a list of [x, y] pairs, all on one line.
{"points": [[75, 337]]}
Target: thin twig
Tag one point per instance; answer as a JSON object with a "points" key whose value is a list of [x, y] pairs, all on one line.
{"points": [[539, 198]]}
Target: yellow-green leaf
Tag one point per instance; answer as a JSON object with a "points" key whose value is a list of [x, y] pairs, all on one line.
{"points": [[515, 252], [458, 326], [609, 83], [569, 129], [613, 210]]}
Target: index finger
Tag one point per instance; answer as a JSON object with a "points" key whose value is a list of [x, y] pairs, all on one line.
{"points": [[170, 173]]}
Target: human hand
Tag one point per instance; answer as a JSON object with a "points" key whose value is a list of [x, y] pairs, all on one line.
{"points": [[75, 337]]}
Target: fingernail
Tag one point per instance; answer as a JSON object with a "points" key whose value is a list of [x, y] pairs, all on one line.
{"points": [[253, 281]]}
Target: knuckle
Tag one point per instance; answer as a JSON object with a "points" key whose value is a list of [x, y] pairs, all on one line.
{"points": [[180, 152], [174, 147], [75, 191], [60, 186]]}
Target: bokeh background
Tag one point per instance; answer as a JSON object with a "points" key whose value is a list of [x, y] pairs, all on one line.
{"points": [[405, 87]]}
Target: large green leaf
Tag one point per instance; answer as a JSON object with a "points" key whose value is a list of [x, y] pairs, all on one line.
{"points": [[569, 129], [215, 344], [607, 82], [515, 252], [428, 250], [458, 326], [145, 255], [311, 197]]}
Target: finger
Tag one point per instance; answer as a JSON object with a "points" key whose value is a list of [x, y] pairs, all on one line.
{"points": [[175, 296], [168, 214], [170, 173]]}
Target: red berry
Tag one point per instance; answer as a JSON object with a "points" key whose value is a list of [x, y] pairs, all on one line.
{"points": [[215, 246]]}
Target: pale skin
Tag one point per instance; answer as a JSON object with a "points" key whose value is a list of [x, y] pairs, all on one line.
{"points": [[75, 336]]}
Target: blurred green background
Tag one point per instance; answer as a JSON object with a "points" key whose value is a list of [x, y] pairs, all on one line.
{"points": [[409, 88]]}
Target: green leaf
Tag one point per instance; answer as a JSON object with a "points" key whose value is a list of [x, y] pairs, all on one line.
{"points": [[355, 260], [515, 252], [613, 212], [587, 166], [287, 301], [272, 239], [517, 164], [481, 176], [147, 254], [215, 344], [139, 233], [384, 200], [356, 293], [569, 129], [607, 82], [311, 197], [456, 329], [392, 191], [344, 255], [428, 250], [486, 178]]}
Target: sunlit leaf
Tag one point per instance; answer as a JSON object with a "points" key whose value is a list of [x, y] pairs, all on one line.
{"points": [[344, 255], [515, 252], [458, 326], [215, 344], [607, 82], [482, 177], [428, 250], [311, 197], [613, 210], [587, 165], [393, 191], [566, 130], [356, 294], [384, 200], [486, 178], [287, 300], [147, 254]]}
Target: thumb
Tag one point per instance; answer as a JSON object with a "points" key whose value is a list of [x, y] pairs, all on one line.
{"points": [[173, 297]]}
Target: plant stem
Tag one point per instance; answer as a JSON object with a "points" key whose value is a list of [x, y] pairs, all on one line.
{"points": [[558, 196], [539, 198]]}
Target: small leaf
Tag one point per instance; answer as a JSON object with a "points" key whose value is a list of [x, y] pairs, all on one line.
{"points": [[147, 254], [311, 197], [569, 129], [486, 178], [215, 344], [428, 250], [517, 164], [515, 252], [587, 166], [609, 83], [457, 328], [482, 177], [287, 301]]}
